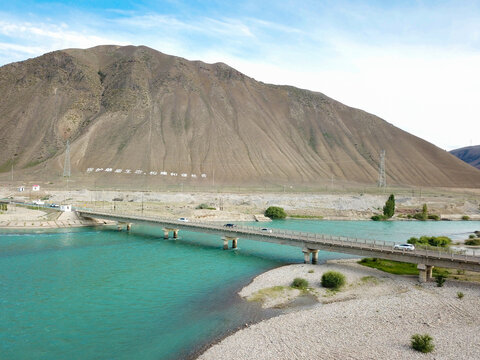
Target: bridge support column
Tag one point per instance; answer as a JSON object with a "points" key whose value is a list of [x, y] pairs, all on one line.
{"points": [[314, 256], [175, 233], [165, 233], [119, 227], [226, 239], [422, 273], [429, 271], [129, 226], [306, 256]]}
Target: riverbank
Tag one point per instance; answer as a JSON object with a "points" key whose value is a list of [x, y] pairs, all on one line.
{"points": [[19, 217], [372, 317]]}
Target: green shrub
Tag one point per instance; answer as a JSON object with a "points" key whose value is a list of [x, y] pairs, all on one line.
{"points": [[205, 206], [440, 279], [389, 208], [311, 271], [474, 242], [465, 217], [433, 217], [379, 217], [422, 343], [299, 283], [275, 212], [438, 241], [471, 236], [460, 295], [333, 279]]}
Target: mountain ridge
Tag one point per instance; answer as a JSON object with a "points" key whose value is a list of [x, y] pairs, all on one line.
{"points": [[135, 107], [469, 154]]}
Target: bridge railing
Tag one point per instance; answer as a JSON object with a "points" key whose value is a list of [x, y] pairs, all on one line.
{"points": [[307, 237]]}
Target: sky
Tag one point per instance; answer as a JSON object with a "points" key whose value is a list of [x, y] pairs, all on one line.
{"points": [[416, 64]]}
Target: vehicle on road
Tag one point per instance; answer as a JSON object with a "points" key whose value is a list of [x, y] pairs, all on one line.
{"points": [[183, 219], [54, 205], [230, 225], [267, 230], [404, 247]]}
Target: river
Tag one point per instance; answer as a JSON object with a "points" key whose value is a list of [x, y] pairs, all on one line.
{"points": [[94, 293]]}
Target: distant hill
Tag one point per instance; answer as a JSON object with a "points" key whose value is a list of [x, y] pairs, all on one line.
{"points": [[469, 154], [134, 107]]}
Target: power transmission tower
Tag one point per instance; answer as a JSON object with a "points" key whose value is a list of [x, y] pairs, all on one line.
{"points": [[66, 165], [382, 179]]}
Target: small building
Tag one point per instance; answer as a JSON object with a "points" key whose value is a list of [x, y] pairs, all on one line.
{"points": [[21, 189], [66, 208], [36, 188]]}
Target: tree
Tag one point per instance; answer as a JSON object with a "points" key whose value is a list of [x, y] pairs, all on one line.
{"points": [[389, 208], [275, 212], [424, 212]]}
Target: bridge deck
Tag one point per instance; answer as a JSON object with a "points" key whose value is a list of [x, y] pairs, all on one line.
{"points": [[309, 241]]}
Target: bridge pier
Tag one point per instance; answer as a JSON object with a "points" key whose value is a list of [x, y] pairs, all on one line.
{"points": [[226, 239], [306, 256], [424, 272], [166, 233], [129, 226]]}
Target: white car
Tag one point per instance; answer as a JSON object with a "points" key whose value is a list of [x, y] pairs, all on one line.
{"points": [[267, 230], [183, 219], [404, 247]]}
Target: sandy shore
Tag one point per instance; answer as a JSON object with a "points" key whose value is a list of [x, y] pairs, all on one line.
{"points": [[373, 317]]}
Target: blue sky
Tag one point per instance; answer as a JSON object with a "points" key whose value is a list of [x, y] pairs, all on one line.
{"points": [[414, 63]]}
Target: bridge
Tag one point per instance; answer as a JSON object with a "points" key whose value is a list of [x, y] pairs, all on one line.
{"points": [[310, 243]]}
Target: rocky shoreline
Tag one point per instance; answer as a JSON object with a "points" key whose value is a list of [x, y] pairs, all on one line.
{"points": [[373, 317]]}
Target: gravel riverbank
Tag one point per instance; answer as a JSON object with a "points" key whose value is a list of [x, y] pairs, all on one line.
{"points": [[373, 317]]}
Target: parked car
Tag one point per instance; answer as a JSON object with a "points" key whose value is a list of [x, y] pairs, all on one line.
{"points": [[267, 230], [404, 247], [54, 205], [230, 225], [183, 219]]}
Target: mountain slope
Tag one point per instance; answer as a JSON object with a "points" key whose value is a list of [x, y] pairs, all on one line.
{"points": [[470, 154], [134, 107]]}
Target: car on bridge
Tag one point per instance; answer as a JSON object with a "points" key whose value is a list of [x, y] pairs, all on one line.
{"points": [[230, 225], [267, 230], [409, 247], [184, 219]]}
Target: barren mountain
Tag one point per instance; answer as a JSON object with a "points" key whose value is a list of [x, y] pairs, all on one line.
{"points": [[136, 108], [469, 154]]}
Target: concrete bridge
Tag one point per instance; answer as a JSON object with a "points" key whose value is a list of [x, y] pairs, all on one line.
{"points": [[310, 243]]}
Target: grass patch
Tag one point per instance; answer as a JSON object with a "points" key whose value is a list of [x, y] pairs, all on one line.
{"points": [[390, 266], [369, 280], [402, 268], [270, 293], [422, 343]]}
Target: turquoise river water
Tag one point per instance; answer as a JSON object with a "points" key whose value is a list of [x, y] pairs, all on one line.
{"points": [[96, 293]]}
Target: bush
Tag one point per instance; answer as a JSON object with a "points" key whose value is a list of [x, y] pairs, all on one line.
{"points": [[471, 236], [275, 212], [438, 241], [333, 280], [378, 217], [422, 343], [474, 242], [465, 217], [460, 295], [389, 208], [433, 217], [440, 279], [299, 283], [205, 206]]}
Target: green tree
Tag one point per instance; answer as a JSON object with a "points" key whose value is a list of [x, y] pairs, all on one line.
{"points": [[389, 208], [424, 212], [275, 212], [333, 280]]}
